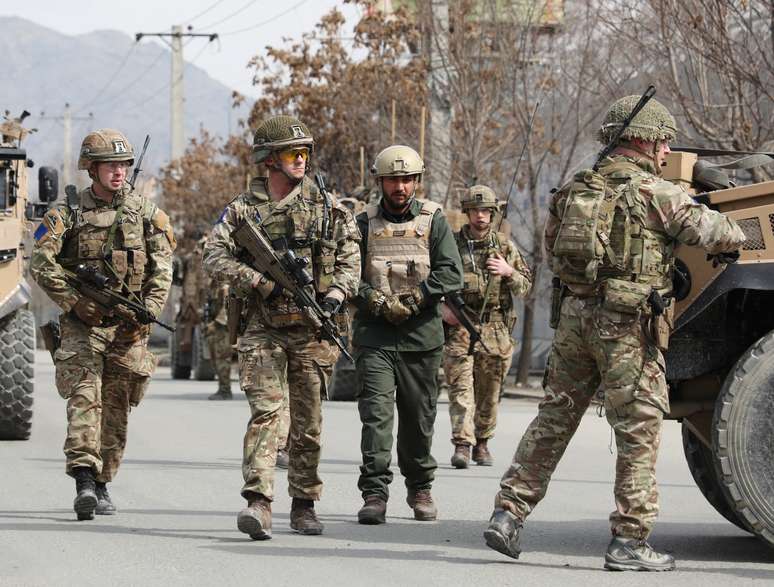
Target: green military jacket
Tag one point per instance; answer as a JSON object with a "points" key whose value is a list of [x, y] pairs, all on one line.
{"points": [[425, 331]]}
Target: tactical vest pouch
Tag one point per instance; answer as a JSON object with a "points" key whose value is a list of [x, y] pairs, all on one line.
{"points": [[324, 264], [137, 274], [625, 297], [234, 312]]}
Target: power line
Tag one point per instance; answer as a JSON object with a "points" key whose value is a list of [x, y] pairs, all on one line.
{"points": [[203, 12], [119, 93], [232, 15], [267, 21], [120, 68]]}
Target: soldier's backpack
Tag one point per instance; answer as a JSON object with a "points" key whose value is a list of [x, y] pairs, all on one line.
{"points": [[589, 236]]}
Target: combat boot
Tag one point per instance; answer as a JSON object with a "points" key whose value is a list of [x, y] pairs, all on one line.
{"points": [[105, 505], [283, 459], [422, 503], [502, 534], [630, 554], [481, 454], [303, 518], [86, 501], [221, 394], [373, 512], [461, 456], [255, 519]]}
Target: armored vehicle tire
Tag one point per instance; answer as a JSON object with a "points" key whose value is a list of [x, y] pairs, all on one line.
{"points": [[743, 438], [343, 385], [702, 467], [17, 374], [203, 369], [178, 368]]}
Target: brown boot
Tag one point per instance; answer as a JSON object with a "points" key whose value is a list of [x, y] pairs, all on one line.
{"points": [[481, 454], [373, 512], [255, 519], [422, 503], [461, 456], [303, 518]]}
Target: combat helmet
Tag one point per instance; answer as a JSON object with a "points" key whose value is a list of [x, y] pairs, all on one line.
{"points": [[397, 160], [280, 132], [105, 144], [652, 123], [479, 196]]}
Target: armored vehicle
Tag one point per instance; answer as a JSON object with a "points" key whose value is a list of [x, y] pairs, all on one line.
{"points": [[17, 324], [720, 361]]}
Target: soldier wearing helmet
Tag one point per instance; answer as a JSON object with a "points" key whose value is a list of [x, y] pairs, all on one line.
{"points": [[278, 348], [409, 262], [610, 238], [103, 365], [495, 271]]}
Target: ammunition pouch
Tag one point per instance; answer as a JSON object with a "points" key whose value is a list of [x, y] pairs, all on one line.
{"points": [[625, 297], [234, 318]]}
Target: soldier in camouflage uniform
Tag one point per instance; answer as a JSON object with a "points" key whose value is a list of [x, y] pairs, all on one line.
{"points": [[216, 333], [410, 261], [607, 321], [278, 349], [103, 365], [493, 269]]}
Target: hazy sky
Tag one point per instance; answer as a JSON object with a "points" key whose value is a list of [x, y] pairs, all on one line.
{"points": [[266, 21]]}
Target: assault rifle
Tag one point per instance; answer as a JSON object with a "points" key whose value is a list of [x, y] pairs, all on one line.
{"points": [[457, 306], [290, 272], [94, 285]]}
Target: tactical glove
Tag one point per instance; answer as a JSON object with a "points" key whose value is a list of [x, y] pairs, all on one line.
{"points": [[330, 306], [414, 300], [723, 258], [143, 317], [88, 311], [267, 288], [375, 302], [394, 311]]}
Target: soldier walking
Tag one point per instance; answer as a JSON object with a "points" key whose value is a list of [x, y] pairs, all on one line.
{"points": [[410, 261], [103, 365], [278, 348], [610, 238], [495, 271]]}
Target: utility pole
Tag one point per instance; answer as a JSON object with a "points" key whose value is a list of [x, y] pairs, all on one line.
{"points": [[439, 128], [176, 98], [67, 122]]}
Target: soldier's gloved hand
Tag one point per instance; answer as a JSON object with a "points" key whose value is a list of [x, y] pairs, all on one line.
{"points": [[143, 317], [723, 258], [330, 305], [267, 288], [375, 302], [414, 300], [394, 311], [88, 311]]}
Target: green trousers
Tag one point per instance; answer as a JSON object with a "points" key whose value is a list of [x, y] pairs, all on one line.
{"points": [[407, 380]]}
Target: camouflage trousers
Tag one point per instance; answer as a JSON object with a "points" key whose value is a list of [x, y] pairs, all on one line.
{"points": [[275, 364], [102, 373], [595, 347], [220, 352], [475, 380]]}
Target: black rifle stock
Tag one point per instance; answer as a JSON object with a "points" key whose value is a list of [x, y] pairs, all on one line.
{"points": [[94, 285], [457, 306], [290, 272]]}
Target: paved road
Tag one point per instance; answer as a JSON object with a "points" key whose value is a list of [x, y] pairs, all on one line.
{"points": [[178, 493]]}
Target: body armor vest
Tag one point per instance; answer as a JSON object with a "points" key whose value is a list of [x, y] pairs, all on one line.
{"points": [[398, 255], [298, 227], [87, 241], [615, 234], [474, 254]]}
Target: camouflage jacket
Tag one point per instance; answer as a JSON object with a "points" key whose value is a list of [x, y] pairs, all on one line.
{"points": [[665, 211], [294, 222], [141, 253], [474, 254]]}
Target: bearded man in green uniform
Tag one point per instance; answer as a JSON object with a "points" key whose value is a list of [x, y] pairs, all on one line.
{"points": [[613, 281], [409, 262], [278, 348], [103, 365], [495, 271]]}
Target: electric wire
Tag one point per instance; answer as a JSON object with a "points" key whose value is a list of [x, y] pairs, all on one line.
{"points": [[118, 70], [265, 22], [203, 12], [230, 16]]}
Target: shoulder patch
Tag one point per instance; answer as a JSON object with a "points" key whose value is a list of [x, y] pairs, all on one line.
{"points": [[52, 226], [161, 222]]}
